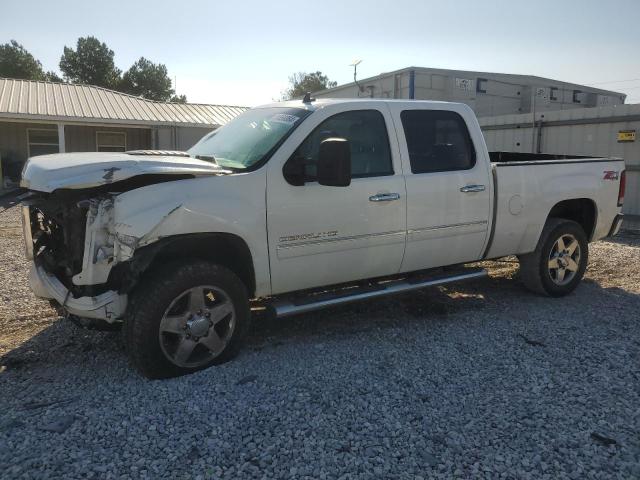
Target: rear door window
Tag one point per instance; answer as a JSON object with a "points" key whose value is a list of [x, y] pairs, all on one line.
{"points": [[437, 141]]}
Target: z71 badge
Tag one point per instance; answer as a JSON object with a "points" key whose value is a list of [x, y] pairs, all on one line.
{"points": [[308, 236]]}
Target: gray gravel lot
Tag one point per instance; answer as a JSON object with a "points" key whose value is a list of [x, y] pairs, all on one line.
{"points": [[481, 380]]}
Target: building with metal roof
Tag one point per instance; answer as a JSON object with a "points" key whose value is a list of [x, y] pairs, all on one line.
{"points": [[47, 117], [488, 94]]}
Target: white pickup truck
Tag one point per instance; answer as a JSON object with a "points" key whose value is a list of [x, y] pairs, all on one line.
{"points": [[301, 205]]}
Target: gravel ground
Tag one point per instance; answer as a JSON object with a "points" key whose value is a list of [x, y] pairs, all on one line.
{"points": [[481, 380]]}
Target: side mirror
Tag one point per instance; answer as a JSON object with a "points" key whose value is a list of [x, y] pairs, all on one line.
{"points": [[293, 172], [334, 163]]}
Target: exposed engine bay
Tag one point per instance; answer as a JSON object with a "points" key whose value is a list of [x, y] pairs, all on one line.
{"points": [[58, 236], [59, 226], [70, 233]]}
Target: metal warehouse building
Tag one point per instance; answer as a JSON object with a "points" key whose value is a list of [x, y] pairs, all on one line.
{"points": [[486, 93], [46, 117], [600, 131]]}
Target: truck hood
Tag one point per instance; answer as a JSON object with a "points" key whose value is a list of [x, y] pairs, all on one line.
{"points": [[46, 173]]}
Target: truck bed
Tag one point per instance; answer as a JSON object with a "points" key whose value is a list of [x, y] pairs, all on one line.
{"points": [[518, 157], [527, 186]]}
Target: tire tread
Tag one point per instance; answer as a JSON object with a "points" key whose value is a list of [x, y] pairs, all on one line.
{"points": [[142, 310], [530, 263]]}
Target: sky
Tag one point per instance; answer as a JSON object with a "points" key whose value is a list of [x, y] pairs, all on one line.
{"points": [[243, 52]]}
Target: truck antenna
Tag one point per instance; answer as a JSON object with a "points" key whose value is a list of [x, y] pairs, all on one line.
{"points": [[355, 73]]}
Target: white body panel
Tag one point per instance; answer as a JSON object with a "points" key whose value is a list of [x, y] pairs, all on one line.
{"points": [[233, 204], [313, 235], [444, 225], [321, 235], [527, 193]]}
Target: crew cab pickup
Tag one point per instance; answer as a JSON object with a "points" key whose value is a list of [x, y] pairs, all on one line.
{"points": [[301, 205]]}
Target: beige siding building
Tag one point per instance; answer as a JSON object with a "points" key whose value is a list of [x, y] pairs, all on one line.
{"points": [[45, 117]]}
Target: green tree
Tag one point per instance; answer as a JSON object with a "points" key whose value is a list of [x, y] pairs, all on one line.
{"points": [[149, 80], [52, 77], [17, 62], [303, 82], [91, 63], [179, 99]]}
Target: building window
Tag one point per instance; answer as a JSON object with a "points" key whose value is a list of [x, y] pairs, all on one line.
{"points": [[481, 85], [42, 141], [553, 94], [111, 141], [576, 96]]}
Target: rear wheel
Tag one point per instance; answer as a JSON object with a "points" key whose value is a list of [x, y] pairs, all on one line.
{"points": [[558, 264], [185, 318]]}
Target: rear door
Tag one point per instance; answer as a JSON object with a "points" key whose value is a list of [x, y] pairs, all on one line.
{"points": [[448, 184], [321, 235]]}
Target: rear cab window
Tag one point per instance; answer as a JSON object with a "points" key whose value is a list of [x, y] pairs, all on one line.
{"points": [[437, 141]]}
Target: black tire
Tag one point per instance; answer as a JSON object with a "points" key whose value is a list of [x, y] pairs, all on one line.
{"points": [[157, 293], [534, 266]]}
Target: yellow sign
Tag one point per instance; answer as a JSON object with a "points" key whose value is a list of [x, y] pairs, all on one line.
{"points": [[627, 136]]}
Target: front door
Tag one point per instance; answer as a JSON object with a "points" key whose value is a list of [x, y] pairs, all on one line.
{"points": [[448, 185], [320, 235]]}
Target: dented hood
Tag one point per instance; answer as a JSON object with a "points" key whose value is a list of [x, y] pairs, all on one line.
{"points": [[46, 173]]}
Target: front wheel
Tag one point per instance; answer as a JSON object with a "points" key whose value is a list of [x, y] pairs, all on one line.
{"points": [[184, 318], [559, 261]]}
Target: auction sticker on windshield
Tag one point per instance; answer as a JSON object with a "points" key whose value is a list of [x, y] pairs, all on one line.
{"points": [[284, 118]]}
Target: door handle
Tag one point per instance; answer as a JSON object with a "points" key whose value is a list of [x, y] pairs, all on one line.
{"points": [[384, 197], [472, 188]]}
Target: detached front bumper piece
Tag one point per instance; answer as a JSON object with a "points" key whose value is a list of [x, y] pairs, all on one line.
{"points": [[109, 306]]}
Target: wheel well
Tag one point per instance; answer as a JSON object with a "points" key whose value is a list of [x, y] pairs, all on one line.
{"points": [[580, 210], [224, 249]]}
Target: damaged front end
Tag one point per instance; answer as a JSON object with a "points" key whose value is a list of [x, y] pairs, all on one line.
{"points": [[80, 259], [70, 238]]}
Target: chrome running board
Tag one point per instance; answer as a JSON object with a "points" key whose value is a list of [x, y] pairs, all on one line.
{"points": [[284, 308]]}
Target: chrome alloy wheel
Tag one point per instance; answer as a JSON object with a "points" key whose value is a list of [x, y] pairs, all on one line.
{"points": [[197, 326], [564, 259]]}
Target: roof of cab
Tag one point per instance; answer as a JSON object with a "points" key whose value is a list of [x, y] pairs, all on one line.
{"points": [[319, 103]]}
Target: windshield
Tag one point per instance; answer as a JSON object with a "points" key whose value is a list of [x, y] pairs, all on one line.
{"points": [[249, 138]]}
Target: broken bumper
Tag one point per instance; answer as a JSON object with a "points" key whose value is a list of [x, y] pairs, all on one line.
{"points": [[109, 306]]}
